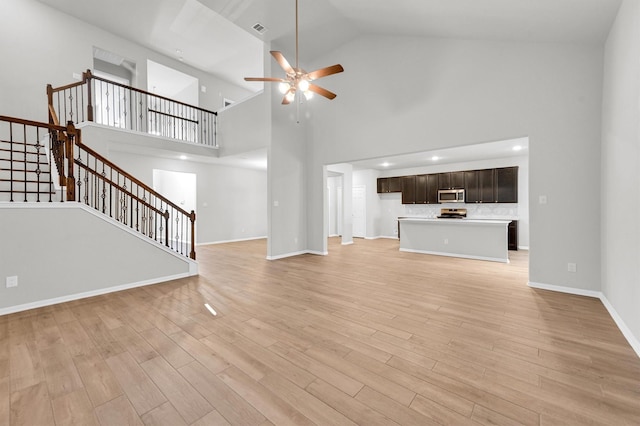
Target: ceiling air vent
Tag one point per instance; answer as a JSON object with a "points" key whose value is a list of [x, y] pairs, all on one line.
{"points": [[259, 28]]}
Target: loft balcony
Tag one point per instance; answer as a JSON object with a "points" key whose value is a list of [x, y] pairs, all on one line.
{"points": [[107, 103]]}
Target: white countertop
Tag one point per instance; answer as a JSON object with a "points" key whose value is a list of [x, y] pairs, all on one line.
{"points": [[450, 221]]}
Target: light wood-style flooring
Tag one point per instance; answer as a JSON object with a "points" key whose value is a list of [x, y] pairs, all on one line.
{"points": [[366, 335]]}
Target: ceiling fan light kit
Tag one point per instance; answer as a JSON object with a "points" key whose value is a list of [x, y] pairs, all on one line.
{"points": [[298, 80]]}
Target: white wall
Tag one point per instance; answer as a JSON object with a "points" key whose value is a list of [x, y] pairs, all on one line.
{"points": [[466, 92], [48, 46], [375, 214], [62, 250], [621, 168], [231, 201], [287, 217]]}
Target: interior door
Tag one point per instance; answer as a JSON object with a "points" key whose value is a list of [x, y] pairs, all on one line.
{"points": [[359, 211]]}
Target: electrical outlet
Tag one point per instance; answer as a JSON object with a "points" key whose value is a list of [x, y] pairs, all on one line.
{"points": [[12, 281], [542, 199], [446, 241], [571, 267]]}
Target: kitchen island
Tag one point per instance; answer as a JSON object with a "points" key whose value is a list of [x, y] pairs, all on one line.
{"points": [[468, 238]]}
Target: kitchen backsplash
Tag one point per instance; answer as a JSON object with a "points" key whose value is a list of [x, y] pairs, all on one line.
{"points": [[474, 211]]}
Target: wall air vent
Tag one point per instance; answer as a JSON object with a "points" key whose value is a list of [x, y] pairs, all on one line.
{"points": [[259, 28]]}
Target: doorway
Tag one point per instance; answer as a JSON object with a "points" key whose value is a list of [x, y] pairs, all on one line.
{"points": [[178, 187], [359, 211]]}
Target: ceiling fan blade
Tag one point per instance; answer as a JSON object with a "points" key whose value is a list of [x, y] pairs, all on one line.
{"points": [[323, 72], [321, 91], [263, 79], [279, 57]]}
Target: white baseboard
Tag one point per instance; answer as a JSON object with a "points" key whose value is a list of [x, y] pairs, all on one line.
{"points": [[232, 241], [382, 237], [626, 331], [464, 256], [298, 253], [568, 290], [348, 243], [84, 295], [282, 256], [523, 248]]}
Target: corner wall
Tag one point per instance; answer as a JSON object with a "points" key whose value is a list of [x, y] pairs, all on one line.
{"points": [[621, 171]]}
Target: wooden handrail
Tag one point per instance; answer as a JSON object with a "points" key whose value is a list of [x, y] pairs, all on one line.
{"points": [[133, 89], [131, 178], [32, 123]]}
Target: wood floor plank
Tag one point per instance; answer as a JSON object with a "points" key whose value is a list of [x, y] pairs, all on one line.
{"points": [[186, 400], [387, 387], [231, 405], [266, 401], [60, 371], [358, 412], [118, 412], [212, 419], [25, 367], [392, 409], [164, 415], [31, 406], [201, 352], [5, 400], [74, 409], [310, 406], [330, 375], [76, 339], [100, 383], [138, 387], [174, 354], [246, 362]]}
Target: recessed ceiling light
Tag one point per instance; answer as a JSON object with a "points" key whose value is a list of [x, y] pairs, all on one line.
{"points": [[517, 148], [435, 158], [183, 157], [385, 164]]}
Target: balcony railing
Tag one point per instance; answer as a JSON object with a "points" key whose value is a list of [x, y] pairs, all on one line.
{"points": [[105, 102]]}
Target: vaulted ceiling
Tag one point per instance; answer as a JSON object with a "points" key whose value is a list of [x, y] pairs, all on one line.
{"points": [[217, 36]]}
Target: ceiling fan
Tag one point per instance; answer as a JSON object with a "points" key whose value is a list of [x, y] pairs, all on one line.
{"points": [[298, 79]]}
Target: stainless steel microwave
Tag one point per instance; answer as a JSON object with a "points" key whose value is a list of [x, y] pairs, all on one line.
{"points": [[451, 196]]}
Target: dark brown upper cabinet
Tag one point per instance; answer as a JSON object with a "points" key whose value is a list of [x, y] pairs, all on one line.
{"points": [[507, 185], [389, 184], [421, 189], [451, 180], [432, 189], [486, 186], [408, 189], [472, 190], [481, 186]]}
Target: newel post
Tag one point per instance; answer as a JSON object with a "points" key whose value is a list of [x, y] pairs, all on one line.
{"points": [[192, 217], [68, 153], [50, 103], [86, 78]]}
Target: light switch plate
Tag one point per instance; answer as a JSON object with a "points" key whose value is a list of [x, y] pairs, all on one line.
{"points": [[12, 281]]}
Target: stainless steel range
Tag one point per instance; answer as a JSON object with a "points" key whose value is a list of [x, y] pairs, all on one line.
{"points": [[452, 214]]}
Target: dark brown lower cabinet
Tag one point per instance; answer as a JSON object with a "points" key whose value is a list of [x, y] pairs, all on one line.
{"points": [[512, 235]]}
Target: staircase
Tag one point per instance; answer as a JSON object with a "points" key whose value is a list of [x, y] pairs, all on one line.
{"points": [[41, 162], [25, 168]]}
